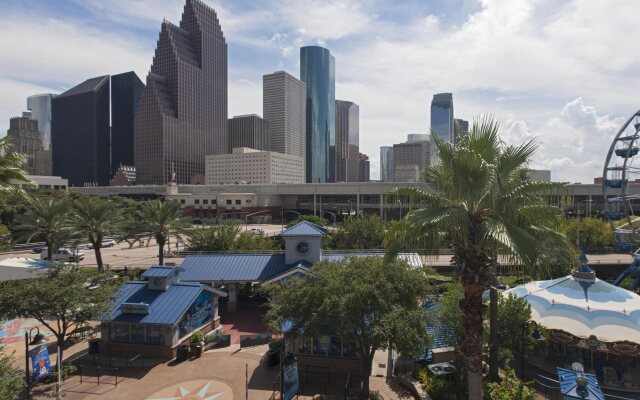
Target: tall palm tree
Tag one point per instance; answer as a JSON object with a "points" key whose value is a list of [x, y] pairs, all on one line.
{"points": [[11, 166], [94, 219], [162, 219], [480, 205], [47, 218]]}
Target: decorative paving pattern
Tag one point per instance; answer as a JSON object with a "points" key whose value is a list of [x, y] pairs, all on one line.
{"points": [[195, 390], [13, 331]]}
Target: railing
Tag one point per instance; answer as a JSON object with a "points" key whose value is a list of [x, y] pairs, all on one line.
{"points": [[97, 374]]}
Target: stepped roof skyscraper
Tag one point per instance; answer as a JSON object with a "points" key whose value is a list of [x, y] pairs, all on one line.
{"points": [[182, 115]]}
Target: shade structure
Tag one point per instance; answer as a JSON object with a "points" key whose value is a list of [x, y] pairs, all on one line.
{"points": [[584, 308]]}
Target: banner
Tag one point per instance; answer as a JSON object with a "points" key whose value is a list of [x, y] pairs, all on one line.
{"points": [[291, 384], [40, 363]]}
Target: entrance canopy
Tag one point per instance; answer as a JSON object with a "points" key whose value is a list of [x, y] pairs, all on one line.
{"points": [[584, 306]]}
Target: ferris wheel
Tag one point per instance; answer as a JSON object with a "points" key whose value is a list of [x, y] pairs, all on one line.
{"points": [[621, 168]]}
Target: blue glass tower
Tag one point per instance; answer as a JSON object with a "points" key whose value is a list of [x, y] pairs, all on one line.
{"points": [[442, 116], [317, 71]]}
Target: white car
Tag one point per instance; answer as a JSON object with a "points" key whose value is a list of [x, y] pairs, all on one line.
{"points": [[63, 255], [105, 243]]}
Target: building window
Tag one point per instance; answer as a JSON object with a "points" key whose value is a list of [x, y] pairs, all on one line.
{"points": [[196, 201], [205, 201], [229, 202], [181, 201], [238, 202]]}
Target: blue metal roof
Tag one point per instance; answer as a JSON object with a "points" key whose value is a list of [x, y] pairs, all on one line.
{"points": [[304, 228], [232, 267], [158, 271], [258, 267], [165, 307], [569, 385]]}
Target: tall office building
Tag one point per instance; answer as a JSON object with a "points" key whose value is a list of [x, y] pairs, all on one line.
{"points": [[317, 71], [248, 131], [25, 138], [364, 168], [283, 107], [442, 116], [40, 107], [182, 115], [464, 126], [386, 164], [347, 141], [80, 133], [126, 90], [417, 137], [410, 160]]}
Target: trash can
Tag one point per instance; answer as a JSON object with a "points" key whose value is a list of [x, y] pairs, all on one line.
{"points": [[182, 353]]}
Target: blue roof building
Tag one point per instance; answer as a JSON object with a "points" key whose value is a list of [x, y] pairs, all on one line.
{"points": [[156, 315], [578, 385]]}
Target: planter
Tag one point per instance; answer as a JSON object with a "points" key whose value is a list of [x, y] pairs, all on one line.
{"points": [[273, 357]]}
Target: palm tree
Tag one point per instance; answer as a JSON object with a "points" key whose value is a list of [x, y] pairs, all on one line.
{"points": [[162, 219], [480, 205], [11, 166], [96, 219], [48, 219]]}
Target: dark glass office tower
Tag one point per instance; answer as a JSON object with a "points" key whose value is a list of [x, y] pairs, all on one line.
{"points": [[80, 133], [182, 115], [126, 90], [442, 116], [248, 131], [464, 126], [317, 71]]}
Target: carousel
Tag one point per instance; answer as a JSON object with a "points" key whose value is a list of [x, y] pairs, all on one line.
{"points": [[590, 324]]}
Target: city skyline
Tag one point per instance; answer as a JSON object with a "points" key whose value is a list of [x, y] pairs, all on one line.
{"points": [[391, 62]]}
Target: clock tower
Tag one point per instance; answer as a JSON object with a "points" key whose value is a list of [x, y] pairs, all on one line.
{"points": [[303, 242]]}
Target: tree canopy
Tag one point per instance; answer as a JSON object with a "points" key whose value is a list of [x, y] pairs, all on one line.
{"points": [[12, 383], [360, 299], [62, 300], [594, 232], [227, 238], [364, 231]]}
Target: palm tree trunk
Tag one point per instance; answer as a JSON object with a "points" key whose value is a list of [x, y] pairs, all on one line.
{"points": [[96, 249], [161, 242], [49, 251], [493, 334], [471, 307]]}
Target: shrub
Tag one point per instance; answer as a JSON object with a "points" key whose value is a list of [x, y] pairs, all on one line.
{"points": [[214, 336], [276, 344], [66, 371], [511, 388], [197, 337]]}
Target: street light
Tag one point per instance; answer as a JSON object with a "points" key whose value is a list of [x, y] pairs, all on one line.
{"points": [[249, 215], [31, 340], [288, 211], [536, 336]]}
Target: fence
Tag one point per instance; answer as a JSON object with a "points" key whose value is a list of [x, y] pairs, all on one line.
{"points": [[254, 340], [98, 372], [220, 342]]}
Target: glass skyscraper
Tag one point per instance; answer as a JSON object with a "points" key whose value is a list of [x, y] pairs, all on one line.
{"points": [[386, 164], [317, 71], [442, 116], [40, 107]]}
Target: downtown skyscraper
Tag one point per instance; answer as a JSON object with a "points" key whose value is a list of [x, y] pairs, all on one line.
{"points": [[347, 141], [317, 71], [182, 115], [442, 116]]}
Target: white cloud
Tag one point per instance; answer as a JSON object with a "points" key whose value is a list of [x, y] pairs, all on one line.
{"points": [[14, 100]]}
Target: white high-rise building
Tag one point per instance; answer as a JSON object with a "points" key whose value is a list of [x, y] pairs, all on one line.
{"points": [[284, 109], [251, 166]]}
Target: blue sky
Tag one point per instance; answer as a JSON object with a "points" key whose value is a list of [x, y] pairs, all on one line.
{"points": [[563, 71]]}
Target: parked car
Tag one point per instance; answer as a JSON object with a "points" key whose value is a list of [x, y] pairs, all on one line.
{"points": [[37, 249], [63, 255], [105, 243]]}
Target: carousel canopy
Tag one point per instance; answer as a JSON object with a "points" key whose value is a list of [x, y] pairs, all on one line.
{"points": [[584, 306]]}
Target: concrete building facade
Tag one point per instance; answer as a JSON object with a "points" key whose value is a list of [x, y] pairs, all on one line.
{"points": [[283, 108], [347, 141], [248, 131], [182, 115], [253, 166], [410, 159], [25, 139]]}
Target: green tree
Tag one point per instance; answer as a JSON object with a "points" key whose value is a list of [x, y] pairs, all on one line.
{"points": [[95, 219], [62, 300], [314, 219], [11, 167], [162, 219], [360, 232], [214, 238], [594, 232], [47, 219], [513, 314], [361, 299], [448, 312], [479, 206], [5, 238], [12, 382], [510, 388], [253, 241]]}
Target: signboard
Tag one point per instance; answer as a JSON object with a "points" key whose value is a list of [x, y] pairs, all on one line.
{"points": [[199, 313], [134, 308], [40, 363], [291, 384]]}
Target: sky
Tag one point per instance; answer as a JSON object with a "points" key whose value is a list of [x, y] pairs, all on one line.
{"points": [[562, 72]]}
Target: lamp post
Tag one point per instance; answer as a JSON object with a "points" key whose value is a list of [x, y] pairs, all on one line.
{"points": [[536, 335], [246, 217], [31, 340]]}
